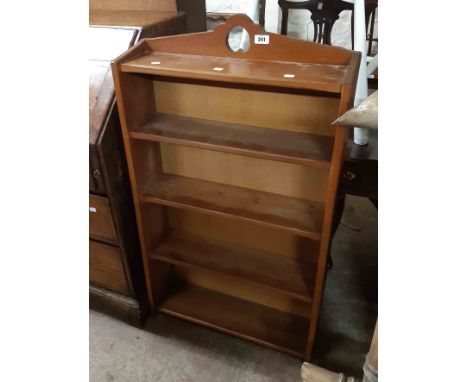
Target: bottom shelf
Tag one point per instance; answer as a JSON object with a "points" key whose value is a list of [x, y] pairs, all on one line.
{"points": [[257, 323]]}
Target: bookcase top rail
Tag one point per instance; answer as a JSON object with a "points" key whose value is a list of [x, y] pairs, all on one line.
{"points": [[283, 62], [328, 78]]}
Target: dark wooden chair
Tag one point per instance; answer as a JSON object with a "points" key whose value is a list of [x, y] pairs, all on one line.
{"points": [[221, 17], [324, 14]]}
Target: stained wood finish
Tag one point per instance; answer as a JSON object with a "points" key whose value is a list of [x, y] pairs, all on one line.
{"points": [[96, 178], [135, 5], [131, 18], [300, 216], [106, 268], [134, 12], [239, 288], [115, 267], [100, 98], [248, 105], [360, 173], [278, 177], [253, 322], [252, 141], [253, 236], [118, 305], [213, 43], [192, 138], [328, 78], [266, 269], [106, 44], [101, 225], [347, 100]]}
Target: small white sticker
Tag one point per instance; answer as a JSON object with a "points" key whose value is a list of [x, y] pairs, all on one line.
{"points": [[155, 62], [288, 75], [92, 209], [262, 39], [218, 69]]}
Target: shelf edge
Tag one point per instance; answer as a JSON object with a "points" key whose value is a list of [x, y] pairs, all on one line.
{"points": [[233, 333], [319, 86], [232, 150], [307, 299], [154, 199]]}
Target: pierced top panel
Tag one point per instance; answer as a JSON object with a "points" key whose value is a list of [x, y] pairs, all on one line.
{"points": [[270, 60]]}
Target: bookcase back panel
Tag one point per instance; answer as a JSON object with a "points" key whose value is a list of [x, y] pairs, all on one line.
{"points": [[139, 104], [247, 234], [283, 111], [242, 171], [155, 223], [247, 291], [162, 279], [147, 161]]}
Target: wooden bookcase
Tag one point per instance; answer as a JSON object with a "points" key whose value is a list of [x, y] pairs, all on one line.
{"points": [[234, 170]]}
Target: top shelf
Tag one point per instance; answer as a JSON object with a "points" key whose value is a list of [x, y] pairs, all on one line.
{"points": [[257, 142], [278, 62], [319, 77]]}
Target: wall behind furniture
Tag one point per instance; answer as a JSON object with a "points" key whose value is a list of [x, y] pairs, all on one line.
{"points": [[299, 20]]}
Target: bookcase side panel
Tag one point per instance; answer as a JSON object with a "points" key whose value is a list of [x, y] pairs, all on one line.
{"points": [[135, 99], [341, 136]]}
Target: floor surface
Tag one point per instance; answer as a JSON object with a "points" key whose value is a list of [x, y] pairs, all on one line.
{"points": [[172, 350]]}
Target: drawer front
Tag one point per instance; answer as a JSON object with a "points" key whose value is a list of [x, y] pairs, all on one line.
{"points": [[360, 178], [101, 225], [106, 268]]}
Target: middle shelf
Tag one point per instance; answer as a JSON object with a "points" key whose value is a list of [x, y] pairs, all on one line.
{"points": [[281, 273], [300, 216], [259, 142]]}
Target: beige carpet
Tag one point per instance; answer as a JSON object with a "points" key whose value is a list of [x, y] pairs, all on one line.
{"points": [[171, 350]]}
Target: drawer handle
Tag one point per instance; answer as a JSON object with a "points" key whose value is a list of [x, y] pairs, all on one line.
{"points": [[96, 173], [92, 209], [349, 175]]}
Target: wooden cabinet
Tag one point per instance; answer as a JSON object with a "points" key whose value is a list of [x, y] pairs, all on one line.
{"points": [[234, 167], [101, 226], [115, 269], [122, 11], [106, 267]]}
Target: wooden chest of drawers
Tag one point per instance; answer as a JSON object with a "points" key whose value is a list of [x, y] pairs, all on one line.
{"points": [[115, 269]]}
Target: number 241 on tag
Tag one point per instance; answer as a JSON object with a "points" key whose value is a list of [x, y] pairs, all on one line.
{"points": [[262, 39]]}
